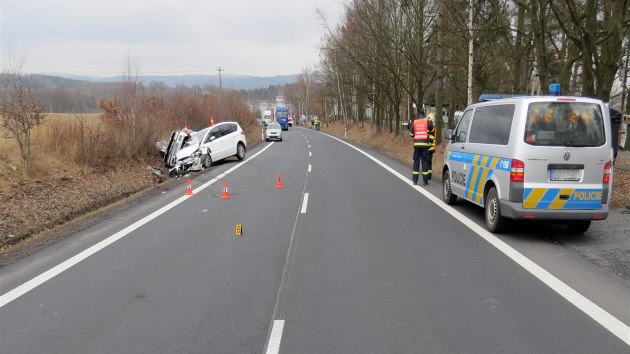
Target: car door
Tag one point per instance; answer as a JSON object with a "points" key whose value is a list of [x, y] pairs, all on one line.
{"points": [[231, 139], [211, 142], [458, 158], [224, 141]]}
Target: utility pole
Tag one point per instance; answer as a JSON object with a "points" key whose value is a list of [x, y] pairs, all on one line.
{"points": [[471, 42], [219, 69], [440, 71]]}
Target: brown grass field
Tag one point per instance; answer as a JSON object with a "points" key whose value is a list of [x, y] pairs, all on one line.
{"points": [[68, 179]]}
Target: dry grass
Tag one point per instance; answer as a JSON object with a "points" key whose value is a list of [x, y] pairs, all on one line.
{"points": [[64, 186], [400, 147]]}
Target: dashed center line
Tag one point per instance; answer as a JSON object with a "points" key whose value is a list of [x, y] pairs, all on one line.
{"points": [[309, 168], [310, 153], [304, 203], [276, 337]]}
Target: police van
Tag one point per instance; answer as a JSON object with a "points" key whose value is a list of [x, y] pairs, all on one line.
{"points": [[532, 158]]}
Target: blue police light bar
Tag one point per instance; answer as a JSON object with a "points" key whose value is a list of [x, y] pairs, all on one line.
{"points": [[497, 96], [554, 89]]}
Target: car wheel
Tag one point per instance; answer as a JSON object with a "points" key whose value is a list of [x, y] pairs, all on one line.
{"points": [[447, 194], [280, 139], [494, 221], [267, 139], [578, 227], [207, 161], [240, 151]]}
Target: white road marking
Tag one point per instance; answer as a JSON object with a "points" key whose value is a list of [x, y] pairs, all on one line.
{"points": [[309, 146], [608, 321], [276, 337], [304, 203], [72, 261], [309, 168], [310, 153]]}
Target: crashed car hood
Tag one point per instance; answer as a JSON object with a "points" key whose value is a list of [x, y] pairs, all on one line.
{"points": [[187, 151]]}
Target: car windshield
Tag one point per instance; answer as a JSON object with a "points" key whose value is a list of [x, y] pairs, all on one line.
{"points": [[273, 126], [282, 115], [195, 138], [564, 124]]}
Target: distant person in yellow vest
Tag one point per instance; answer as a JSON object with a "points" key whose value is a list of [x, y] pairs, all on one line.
{"points": [[422, 131]]}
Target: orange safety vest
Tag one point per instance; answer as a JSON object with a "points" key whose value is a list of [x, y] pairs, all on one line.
{"points": [[421, 132]]}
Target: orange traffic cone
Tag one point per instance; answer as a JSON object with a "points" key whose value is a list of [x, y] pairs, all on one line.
{"points": [[211, 120], [188, 188], [226, 194], [279, 182]]}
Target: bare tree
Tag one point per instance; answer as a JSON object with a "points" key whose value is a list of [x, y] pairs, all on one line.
{"points": [[20, 114]]}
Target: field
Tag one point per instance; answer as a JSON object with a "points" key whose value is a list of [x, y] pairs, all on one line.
{"points": [[69, 179]]}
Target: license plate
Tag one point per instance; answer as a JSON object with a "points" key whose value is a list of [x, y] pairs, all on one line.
{"points": [[565, 175]]}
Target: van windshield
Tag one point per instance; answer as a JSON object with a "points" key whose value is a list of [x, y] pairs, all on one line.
{"points": [[564, 124]]}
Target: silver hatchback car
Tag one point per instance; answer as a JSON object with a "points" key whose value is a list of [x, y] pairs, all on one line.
{"points": [[273, 132]]}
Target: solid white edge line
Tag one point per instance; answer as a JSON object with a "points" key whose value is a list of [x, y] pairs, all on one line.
{"points": [[608, 321], [304, 203], [276, 337], [72, 261]]}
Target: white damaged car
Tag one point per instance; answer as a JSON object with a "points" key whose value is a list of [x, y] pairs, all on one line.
{"points": [[189, 150]]}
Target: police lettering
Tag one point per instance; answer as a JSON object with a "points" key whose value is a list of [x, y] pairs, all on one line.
{"points": [[459, 178], [587, 195]]}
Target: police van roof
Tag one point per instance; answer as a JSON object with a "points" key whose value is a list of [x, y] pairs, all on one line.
{"points": [[497, 96]]}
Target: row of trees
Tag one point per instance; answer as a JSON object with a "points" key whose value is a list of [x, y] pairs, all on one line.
{"points": [[395, 57]]}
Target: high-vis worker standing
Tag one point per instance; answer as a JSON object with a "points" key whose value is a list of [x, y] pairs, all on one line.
{"points": [[432, 147], [422, 131]]}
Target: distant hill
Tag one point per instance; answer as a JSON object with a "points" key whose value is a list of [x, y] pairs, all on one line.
{"points": [[236, 82], [83, 94], [44, 82]]}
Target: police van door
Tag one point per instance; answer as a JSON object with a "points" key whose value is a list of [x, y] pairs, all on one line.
{"points": [[457, 156]]}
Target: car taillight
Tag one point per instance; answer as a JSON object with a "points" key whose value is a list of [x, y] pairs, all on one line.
{"points": [[606, 178], [517, 172]]}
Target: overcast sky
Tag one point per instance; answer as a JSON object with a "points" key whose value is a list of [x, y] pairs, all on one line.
{"points": [[95, 37]]}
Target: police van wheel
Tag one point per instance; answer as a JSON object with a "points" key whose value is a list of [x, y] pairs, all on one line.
{"points": [[494, 221], [578, 227], [447, 194]]}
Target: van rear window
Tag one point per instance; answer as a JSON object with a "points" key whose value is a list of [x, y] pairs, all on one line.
{"points": [[564, 124]]}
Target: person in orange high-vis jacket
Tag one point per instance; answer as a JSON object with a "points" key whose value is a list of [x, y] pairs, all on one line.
{"points": [[422, 131]]}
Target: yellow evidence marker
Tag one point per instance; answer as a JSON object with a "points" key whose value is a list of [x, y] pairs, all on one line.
{"points": [[239, 229]]}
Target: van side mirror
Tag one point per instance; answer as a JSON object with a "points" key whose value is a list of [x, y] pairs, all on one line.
{"points": [[448, 134]]}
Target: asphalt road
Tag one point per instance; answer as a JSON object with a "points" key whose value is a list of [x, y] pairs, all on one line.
{"points": [[346, 258]]}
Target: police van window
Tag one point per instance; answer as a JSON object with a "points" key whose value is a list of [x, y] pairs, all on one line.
{"points": [[492, 124], [564, 124], [462, 128]]}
